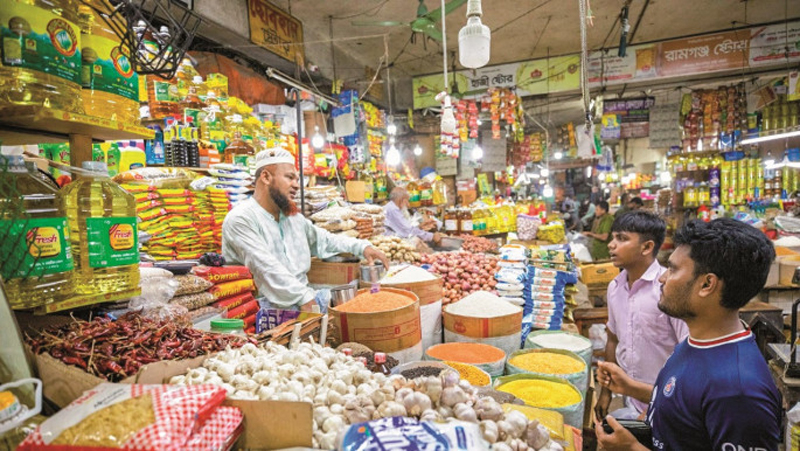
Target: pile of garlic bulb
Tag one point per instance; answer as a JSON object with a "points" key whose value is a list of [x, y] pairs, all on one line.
{"points": [[344, 392]]}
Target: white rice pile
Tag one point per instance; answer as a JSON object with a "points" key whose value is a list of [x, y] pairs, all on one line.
{"points": [[482, 304], [408, 274], [566, 342]]}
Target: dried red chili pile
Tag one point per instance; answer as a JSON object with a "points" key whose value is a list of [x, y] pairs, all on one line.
{"points": [[114, 350]]}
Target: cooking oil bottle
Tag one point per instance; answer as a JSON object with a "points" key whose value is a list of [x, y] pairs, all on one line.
{"points": [[41, 54], [110, 85], [37, 266], [162, 94], [102, 227]]}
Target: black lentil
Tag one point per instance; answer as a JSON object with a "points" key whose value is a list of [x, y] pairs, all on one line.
{"points": [[421, 371]]}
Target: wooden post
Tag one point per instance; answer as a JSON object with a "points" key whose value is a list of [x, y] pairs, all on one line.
{"points": [[80, 149]]}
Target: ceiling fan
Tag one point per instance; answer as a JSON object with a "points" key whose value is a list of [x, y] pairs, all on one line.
{"points": [[424, 23]]}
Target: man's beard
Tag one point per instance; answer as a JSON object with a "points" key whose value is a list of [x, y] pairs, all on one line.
{"points": [[679, 306], [287, 206]]}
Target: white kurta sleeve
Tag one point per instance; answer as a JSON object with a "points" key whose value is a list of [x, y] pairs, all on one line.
{"points": [[273, 279]]}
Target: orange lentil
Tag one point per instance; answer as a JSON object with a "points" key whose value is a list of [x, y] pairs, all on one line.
{"points": [[466, 352], [382, 301]]}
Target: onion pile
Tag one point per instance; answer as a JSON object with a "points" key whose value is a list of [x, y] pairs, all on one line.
{"points": [[478, 244], [462, 272]]}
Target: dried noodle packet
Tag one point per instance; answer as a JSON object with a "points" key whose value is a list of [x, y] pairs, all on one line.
{"points": [[140, 417]]}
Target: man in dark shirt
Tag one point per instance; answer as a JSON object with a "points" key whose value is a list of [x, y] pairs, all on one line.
{"points": [[715, 392]]}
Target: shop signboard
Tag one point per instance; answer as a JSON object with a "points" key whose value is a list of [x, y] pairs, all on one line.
{"points": [[606, 68], [529, 78], [633, 116], [775, 44], [709, 53], [276, 30]]}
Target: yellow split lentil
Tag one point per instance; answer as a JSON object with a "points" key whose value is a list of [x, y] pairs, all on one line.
{"points": [[472, 374], [542, 393], [547, 363]]}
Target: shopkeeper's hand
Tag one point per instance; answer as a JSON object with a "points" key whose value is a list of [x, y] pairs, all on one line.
{"points": [[437, 238], [372, 254], [589, 234]]}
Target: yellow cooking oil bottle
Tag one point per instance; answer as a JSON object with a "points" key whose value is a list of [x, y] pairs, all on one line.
{"points": [[102, 227], [110, 85], [41, 54], [34, 238]]}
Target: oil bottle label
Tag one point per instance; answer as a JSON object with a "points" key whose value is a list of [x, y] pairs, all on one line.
{"points": [[107, 67], [164, 92], [36, 247], [112, 242], [37, 39]]}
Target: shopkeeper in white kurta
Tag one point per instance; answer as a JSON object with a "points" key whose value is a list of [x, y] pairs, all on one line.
{"points": [[267, 234]]}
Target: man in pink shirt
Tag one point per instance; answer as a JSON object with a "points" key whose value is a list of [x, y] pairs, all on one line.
{"points": [[640, 336]]}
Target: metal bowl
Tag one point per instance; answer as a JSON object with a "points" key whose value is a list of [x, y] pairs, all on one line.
{"points": [[342, 293], [372, 273]]}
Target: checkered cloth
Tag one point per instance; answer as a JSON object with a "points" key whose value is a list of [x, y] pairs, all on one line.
{"points": [[187, 418]]}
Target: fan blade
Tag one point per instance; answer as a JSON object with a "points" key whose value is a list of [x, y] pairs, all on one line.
{"points": [[376, 23], [434, 33], [453, 5]]}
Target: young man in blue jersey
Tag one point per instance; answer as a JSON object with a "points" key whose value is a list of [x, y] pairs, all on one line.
{"points": [[715, 392]]}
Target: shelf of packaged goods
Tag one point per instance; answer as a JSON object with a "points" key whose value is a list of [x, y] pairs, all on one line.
{"points": [[87, 300], [34, 124], [703, 153]]}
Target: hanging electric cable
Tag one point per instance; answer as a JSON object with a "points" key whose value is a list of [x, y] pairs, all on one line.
{"points": [[584, 64]]}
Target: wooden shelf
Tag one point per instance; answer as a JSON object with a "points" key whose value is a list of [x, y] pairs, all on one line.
{"points": [[34, 124]]}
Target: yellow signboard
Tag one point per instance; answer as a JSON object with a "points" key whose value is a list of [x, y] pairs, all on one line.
{"points": [[276, 30]]}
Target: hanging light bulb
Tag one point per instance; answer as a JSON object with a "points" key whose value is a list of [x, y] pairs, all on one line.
{"points": [[588, 171], [393, 156], [558, 155], [474, 39], [417, 150], [477, 153], [547, 191], [317, 141], [545, 172], [391, 129]]}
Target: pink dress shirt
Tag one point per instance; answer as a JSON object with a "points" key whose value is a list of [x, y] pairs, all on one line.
{"points": [[646, 335]]}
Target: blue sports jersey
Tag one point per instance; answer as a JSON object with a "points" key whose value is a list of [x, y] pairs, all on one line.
{"points": [[716, 395]]}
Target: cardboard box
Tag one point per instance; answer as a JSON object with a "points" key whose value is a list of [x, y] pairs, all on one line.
{"points": [[324, 273], [267, 424], [63, 383], [786, 269], [598, 273]]}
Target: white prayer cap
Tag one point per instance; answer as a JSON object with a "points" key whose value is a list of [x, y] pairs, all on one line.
{"points": [[276, 155]]}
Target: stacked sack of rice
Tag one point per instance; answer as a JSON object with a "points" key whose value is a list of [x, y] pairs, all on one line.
{"points": [[319, 198], [373, 212], [230, 291], [339, 220], [513, 266], [233, 180]]}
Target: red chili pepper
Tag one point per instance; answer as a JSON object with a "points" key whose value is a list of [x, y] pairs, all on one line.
{"points": [[77, 361]]}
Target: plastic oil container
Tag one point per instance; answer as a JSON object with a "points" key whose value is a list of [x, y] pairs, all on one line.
{"points": [[37, 267], [162, 94], [102, 225], [41, 54], [110, 85]]}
